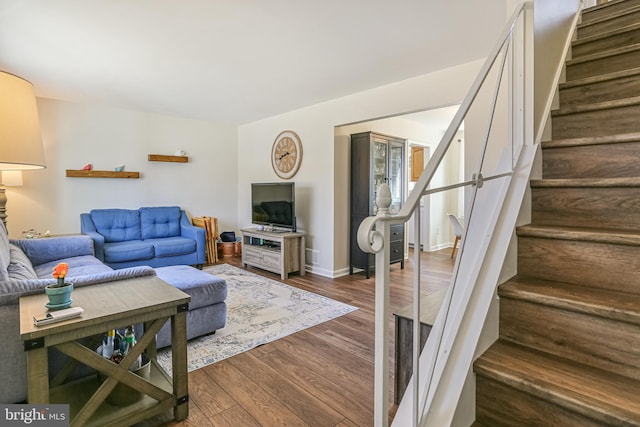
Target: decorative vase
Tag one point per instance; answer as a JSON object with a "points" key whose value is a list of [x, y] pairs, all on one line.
{"points": [[59, 296]]}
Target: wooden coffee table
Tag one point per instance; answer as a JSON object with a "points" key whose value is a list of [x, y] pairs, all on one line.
{"points": [[112, 305]]}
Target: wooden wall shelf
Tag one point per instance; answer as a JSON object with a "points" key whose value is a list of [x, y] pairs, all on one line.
{"points": [[101, 174], [172, 159]]}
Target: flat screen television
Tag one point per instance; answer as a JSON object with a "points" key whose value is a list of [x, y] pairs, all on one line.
{"points": [[273, 204]]}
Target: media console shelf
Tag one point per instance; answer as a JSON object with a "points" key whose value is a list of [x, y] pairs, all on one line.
{"points": [[281, 253]]}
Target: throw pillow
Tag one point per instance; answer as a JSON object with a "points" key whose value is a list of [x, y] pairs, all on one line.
{"points": [[20, 266]]}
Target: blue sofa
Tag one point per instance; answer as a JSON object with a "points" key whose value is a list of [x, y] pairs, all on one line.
{"points": [[153, 236]]}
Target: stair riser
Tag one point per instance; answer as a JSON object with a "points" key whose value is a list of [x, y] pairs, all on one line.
{"points": [[603, 122], [609, 24], [603, 12], [610, 90], [615, 208], [592, 340], [600, 66], [615, 41], [498, 405], [599, 265], [584, 161]]}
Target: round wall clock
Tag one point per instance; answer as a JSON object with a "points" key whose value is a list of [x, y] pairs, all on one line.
{"points": [[286, 154]]}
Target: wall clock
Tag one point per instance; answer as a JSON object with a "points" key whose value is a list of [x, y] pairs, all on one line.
{"points": [[286, 154]]}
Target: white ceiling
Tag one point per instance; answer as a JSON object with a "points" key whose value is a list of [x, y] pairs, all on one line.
{"points": [[235, 61]]}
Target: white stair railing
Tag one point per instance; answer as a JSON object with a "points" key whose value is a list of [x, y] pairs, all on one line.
{"points": [[494, 202]]}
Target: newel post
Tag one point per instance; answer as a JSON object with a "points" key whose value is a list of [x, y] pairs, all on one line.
{"points": [[381, 410], [373, 237]]}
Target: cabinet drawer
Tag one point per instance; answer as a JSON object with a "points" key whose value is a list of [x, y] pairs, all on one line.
{"points": [[253, 254], [397, 232], [397, 251], [271, 259]]}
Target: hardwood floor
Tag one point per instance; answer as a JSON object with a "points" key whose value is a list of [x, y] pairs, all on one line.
{"points": [[322, 376]]}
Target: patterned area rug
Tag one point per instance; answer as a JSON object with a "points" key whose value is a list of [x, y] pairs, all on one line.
{"points": [[259, 311]]}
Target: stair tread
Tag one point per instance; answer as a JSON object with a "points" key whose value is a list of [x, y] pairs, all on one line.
{"points": [[596, 235], [585, 182], [600, 78], [592, 140], [605, 303], [595, 106], [605, 34], [607, 17], [605, 5], [610, 398], [606, 53]]}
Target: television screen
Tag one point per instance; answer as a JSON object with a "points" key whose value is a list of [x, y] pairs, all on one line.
{"points": [[273, 204]]}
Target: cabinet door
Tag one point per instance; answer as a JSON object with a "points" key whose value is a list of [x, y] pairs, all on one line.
{"points": [[378, 169], [417, 162], [396, 175]]}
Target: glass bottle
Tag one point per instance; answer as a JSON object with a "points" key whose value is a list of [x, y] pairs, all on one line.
{"points": [[129, 342], [107, 344]]}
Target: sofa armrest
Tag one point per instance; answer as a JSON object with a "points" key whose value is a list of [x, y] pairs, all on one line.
{"points": [[11, 290], [112, 276], [87, 227], [196, 233], [40, 251]]}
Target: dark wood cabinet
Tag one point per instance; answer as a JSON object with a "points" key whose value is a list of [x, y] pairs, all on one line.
{"points": [[375, 159]]}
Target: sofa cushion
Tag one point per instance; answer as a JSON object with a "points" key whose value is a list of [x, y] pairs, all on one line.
{"points": [[20, 267], [5, 255], [117, 225], [172, 246], [160, 222], [204, 288], [78, 266], [127, 251]]}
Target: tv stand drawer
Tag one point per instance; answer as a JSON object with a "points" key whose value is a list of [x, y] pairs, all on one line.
{"points": [[253, 255]]}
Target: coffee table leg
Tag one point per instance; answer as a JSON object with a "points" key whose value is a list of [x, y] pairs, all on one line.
{"points": [[179, 361], [38, 375]]}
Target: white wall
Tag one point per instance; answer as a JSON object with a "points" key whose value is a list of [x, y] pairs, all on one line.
{"points": [[322, 182], [75, 134]]}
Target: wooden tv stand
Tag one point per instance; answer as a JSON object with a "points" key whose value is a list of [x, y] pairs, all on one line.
{"points": [[278, 252]]}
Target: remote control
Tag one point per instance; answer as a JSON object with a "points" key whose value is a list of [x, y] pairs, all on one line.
{"points": [[57, 316]]}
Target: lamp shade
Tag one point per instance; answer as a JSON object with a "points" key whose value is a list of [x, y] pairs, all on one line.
{"points": [[20, 138]]}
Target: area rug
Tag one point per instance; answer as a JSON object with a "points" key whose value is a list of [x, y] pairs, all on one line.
{"points": [[259, 310]]}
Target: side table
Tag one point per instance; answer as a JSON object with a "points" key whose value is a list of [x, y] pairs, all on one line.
{"points": [[112, 305], [429, 307]]}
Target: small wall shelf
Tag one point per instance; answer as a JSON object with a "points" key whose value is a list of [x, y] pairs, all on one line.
{"points": [[172, 159], [101, 174]]}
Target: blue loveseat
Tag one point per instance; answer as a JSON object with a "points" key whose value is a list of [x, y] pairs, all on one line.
{"points": [[153, 236]]}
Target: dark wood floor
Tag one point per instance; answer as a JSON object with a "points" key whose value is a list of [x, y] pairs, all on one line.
{"points": [[322, 376]]}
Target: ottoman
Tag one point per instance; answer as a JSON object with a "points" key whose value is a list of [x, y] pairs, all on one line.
{"points": [[207, 309]]}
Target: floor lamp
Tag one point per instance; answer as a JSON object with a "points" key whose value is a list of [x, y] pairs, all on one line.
{"points": [[9, 179], [20, 139]]}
